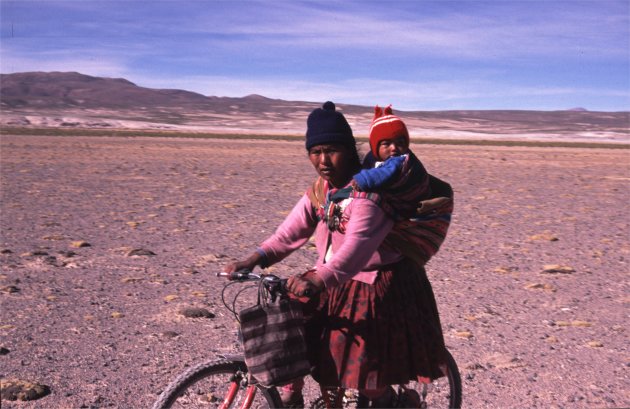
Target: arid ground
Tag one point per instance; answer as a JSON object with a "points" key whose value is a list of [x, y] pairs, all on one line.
{"points": [[105, 240]]}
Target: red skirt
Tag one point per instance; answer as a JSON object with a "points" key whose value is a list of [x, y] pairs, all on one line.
{"points": [[364, 336]]}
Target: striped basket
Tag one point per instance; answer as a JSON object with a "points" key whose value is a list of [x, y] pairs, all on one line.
{"points": [[274, 342]]}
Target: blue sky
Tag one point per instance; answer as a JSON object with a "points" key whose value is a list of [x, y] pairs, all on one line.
{"points": [[416, 55]]}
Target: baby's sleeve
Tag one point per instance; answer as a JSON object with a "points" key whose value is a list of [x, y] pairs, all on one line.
{"points": [[371, 179]]}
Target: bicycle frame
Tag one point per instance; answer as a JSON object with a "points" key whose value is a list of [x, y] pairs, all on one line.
{"points": [[329, 397], [330, 402], [332, 398], [231, 378]]}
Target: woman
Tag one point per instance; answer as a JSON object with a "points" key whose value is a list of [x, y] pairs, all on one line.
{"points": [[373, 320]]}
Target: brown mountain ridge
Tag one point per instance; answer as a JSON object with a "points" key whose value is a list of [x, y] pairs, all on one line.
{"points": [[74, 100]]}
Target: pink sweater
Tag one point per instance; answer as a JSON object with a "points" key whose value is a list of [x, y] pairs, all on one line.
{"points": [[357, 254]]}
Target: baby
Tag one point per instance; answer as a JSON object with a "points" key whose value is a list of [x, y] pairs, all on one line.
{"points": [[391, 168]]}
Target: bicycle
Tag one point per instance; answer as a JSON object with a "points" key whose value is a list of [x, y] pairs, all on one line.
{"points": [[224, 383]]}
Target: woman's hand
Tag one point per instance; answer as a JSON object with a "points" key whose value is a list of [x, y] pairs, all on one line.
{"points": [[247, 264], [307, 284]]}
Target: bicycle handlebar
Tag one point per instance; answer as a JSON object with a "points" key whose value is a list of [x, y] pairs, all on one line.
{"points": [[241, 275], [248, 275]]}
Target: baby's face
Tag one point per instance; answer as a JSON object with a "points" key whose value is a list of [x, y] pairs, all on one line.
{"points": [[392, 147]]}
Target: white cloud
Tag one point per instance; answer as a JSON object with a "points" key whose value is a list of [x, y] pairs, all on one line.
{"points": [[510, 29]]}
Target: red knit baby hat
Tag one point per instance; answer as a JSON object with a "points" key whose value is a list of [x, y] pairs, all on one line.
{"points": [[386, 125]]}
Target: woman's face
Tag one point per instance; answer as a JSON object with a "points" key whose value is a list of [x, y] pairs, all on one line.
{"points": [[334, 162]]}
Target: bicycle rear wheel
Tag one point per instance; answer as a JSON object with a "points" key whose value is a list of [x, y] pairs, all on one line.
{"points": [[216, 384], [444, 392]]}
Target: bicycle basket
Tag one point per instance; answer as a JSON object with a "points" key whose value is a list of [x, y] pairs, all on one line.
{"points": [[274, 342]]}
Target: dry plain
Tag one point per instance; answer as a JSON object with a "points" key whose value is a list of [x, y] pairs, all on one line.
{"points": [[101, 327]]}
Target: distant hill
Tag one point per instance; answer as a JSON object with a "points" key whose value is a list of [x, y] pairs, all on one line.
{"points": [[59, 90], [70, 99]]}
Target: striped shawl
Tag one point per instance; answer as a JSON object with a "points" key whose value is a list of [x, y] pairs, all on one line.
{"points": [[418, 237]]}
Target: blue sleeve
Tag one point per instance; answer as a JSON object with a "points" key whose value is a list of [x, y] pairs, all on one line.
{"points": [[370, 179]]}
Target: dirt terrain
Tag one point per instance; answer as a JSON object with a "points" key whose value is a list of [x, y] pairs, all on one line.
{"points": [[105, 240]]}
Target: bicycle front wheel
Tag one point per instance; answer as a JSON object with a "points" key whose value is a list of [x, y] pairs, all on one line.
{"points": [[217, 384]]}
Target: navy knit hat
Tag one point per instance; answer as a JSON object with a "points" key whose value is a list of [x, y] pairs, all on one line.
{"points": [[325, 125]]}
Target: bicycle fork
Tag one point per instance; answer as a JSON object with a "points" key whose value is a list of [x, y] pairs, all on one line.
{"points": [[235, 384]]}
